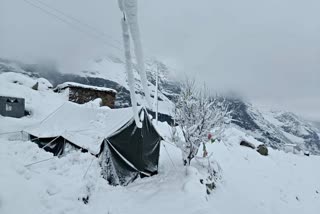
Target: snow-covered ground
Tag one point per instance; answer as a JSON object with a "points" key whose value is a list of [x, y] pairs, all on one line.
{"points": [[250, 183]]}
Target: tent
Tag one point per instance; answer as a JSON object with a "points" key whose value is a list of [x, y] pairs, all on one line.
{"points": [[126, 151]]}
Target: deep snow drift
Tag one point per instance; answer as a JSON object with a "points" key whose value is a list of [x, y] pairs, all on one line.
{"points": [[279, 183], [249, 183]]}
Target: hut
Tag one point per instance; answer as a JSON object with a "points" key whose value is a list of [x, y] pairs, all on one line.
{"points": [[80, 93]]}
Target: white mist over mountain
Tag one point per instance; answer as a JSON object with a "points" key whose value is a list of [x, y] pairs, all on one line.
{"points": [[266, 51]]}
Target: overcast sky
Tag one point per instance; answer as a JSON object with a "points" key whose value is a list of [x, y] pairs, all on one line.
{"points": [[266, 50]]}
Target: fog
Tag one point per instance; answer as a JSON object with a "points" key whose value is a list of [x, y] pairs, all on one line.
{"points": [[267, 51]]}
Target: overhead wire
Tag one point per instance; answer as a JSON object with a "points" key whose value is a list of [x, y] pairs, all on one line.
{"points": [[68, 21], [79, 25], [80, 22]]}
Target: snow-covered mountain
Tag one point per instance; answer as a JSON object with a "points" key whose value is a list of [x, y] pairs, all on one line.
{"points": [[274, 128], [33, 181], [105, 72], [317, 125]]}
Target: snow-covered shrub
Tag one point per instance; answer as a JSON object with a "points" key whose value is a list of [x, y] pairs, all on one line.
{"points": [[198, 114], [209, 167]]}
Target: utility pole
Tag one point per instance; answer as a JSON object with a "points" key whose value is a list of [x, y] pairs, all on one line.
{"points": [[128, 60], [156, 93]]}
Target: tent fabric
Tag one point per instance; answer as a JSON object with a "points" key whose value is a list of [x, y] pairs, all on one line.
{"points": [[56, 145], [115, 169], [83, 126], [126, 151], [53, 145], [139, 147]]}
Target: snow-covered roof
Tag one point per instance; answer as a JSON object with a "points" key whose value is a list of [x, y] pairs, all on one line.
{"points": [[83, 126], [74, 84]]}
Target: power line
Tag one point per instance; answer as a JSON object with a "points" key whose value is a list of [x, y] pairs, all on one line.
{"points": [[71, 24], [78, 21]]}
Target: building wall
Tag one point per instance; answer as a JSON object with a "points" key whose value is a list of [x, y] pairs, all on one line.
{"points": [[84, 95], [12, 107]]}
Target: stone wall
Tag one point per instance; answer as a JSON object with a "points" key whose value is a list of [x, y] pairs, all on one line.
{"points": [[84, 95]]}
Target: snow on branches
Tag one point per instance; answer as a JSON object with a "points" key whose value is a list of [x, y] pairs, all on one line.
{"points": [[199, 114]]}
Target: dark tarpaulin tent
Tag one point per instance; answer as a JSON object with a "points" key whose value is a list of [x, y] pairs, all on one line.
{"points": [[132, 152], [125, 151]]}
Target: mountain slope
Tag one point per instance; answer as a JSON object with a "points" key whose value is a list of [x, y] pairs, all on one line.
{"points": [[32, 181], [107, 72], [276, 129], [305, 135]]}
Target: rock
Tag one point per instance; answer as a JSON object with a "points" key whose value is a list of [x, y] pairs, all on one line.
{"points": [[262, 149], [85, 199], [36, 86], [210, 187], [247, 144]]}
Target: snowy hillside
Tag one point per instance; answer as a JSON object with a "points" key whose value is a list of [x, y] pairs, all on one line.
{"points": [[280, 183], [298, 130], [273, 128], [32, 181], [106, 72]]}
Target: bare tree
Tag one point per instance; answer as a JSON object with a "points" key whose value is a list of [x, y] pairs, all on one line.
{"points": [[198, 114]]}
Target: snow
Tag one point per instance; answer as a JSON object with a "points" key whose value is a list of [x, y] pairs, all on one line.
{"points": [[130, 8], [74, 84], [126, 42], [107, 69], [278, 183], [44, 84], [250, 183], [113, 69], [84, 126], [293, 138], [39, 103]]}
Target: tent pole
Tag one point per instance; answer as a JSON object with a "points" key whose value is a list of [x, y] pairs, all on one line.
{"points": [[50, 142], [38, 162], [87, 169], [156, 95]]}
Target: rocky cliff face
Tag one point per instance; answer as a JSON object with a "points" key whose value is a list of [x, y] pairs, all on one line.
{"points": [[305, 134], [275, 128]]}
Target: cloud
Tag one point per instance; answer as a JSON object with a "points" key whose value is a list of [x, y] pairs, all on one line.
{"points": [[266, 50]]}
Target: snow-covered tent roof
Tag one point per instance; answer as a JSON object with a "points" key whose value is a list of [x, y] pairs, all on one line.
{"points": [[126, 150], [83, 126], [74, 84]]}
